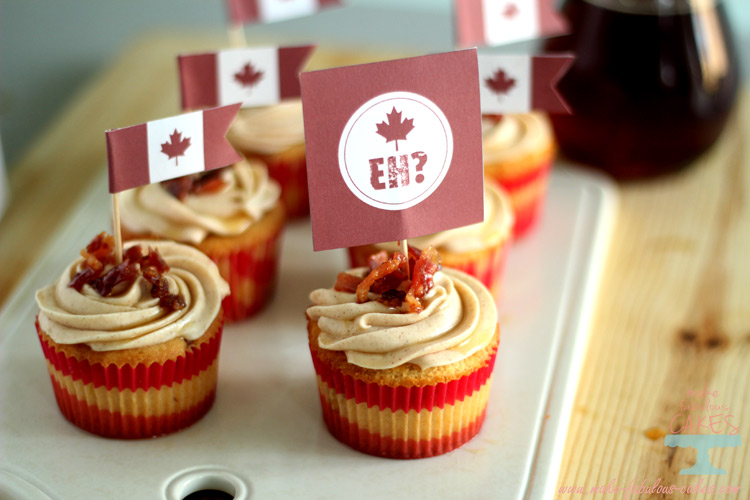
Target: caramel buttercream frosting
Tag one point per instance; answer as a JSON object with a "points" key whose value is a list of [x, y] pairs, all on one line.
{"points": [[247, 193], [495, 228], [268, 130], [515, 136], [458, 319], [130, 317]]}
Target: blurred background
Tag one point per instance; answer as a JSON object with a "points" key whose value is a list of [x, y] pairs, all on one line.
{"points": [[49, 49]]}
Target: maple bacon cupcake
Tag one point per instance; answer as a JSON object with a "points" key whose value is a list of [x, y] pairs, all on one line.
{"points": [[403, 366], [519, 150], [233, 215], [275, 135], [479, 249], [132, 349]]}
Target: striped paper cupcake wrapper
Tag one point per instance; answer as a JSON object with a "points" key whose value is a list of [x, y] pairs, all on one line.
{"points": [[526, 193], [403, 422], [132, 402], [290, 171], [251, 273]]}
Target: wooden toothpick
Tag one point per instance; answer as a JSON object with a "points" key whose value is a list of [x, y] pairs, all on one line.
{"points": [[237, 36], [405, 251], [116, 227]]}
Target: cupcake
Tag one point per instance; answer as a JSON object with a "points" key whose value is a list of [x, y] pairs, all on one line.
{"points": [[479, 249], [132, 349], [233, 215], [403, 365], [518, 153], [276, 136]]}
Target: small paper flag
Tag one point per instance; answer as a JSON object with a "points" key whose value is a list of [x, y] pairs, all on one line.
{"points": [[500, 22], [170, 147], [521, 83], [258, 76], [268, 11], [394, 149]]}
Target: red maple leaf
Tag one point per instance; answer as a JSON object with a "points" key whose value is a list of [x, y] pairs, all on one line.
{"points": [[176, 146], [248, 77], [395, 129], [500, 83], [510, 10]]}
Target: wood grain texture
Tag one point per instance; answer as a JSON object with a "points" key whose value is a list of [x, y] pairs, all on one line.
{"points": [[673, 316], [674, 308]]}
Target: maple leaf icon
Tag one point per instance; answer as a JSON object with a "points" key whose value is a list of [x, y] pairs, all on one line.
{"points": [[396, 129], [510, 11], [176, 146], [249, 76], [500, 82]]}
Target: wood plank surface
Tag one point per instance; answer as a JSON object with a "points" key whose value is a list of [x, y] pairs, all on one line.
{"points": [[673, 313], [673, 316]]}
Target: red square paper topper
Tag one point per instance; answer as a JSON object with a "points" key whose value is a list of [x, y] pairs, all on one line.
{"points": [[394, 149]]}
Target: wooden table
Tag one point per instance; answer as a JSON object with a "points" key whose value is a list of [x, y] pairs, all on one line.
{"points": [[673, 314]]}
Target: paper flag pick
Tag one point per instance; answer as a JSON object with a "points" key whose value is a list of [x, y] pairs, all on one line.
{"points": [[268, 11], [258, 76], [394, 149], [499, 22], [520, 83], [171, 147]]}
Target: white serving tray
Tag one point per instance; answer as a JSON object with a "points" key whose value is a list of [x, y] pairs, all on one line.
{"points": [[265, 438]]}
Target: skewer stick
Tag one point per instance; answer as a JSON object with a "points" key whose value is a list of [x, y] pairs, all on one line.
{"points": [[116, 227], [405, 251], [237, 36]]}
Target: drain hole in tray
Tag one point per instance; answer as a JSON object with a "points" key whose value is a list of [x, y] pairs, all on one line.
{"points": [[207, 483], [209, 495]]}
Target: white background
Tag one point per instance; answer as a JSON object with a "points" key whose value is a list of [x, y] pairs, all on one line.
{"points": [[518, 98]]}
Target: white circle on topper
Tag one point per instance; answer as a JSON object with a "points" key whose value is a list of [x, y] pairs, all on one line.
{"points": [[361, 145]]}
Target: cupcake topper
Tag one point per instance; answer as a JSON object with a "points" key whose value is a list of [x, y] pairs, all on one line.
{"points": [[257, 76], [243, 12], [520, 83], [394, 149], [499, 22], [165, 149]]}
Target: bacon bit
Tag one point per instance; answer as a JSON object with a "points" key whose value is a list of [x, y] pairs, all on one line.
{"points": [[346, 282], [390, 280], [424, 270], [202, 183], [384, 269], [377, 258], [100, 253]]}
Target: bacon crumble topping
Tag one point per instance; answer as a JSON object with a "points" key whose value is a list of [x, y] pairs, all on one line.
{"points": [[201, 183], [99, 270], [389, 279]]}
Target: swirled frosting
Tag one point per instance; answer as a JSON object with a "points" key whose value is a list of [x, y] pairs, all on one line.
{"points": [[515, 136], [268, 130], [458, 319], [131, 317], [248, 193], [496, 227]]}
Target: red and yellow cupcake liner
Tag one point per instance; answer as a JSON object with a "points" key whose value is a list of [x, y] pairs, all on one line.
{"points": [[289, 169], [403, 422], [526, 192], [487, 265], [132, 402]]}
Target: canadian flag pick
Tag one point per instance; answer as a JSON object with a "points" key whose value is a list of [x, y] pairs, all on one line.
{"points": [[258, 76], [520, 83], [268, 11], [394, 149], [171, 147], [499, 22]]}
